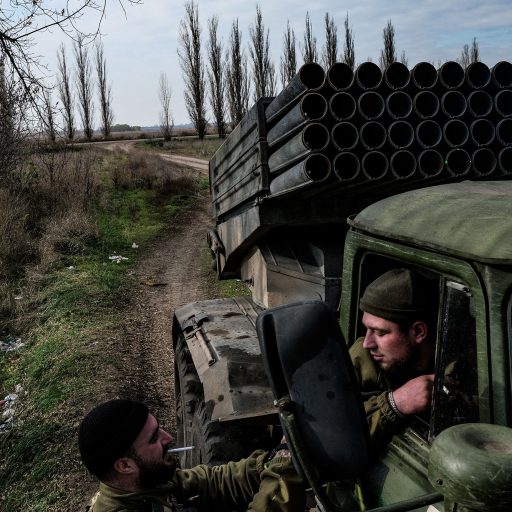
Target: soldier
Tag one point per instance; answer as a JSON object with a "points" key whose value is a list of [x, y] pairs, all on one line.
{"points": [[123, 445], [394, 362]]}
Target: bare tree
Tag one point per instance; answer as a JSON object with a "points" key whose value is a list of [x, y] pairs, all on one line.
{"points": [[192, 65], [66, 96], [403, 59], [288, 65], [49, 119], [104, 91], [475, 51], [469, 55], [236, 77], [309, 50], [388, 53], [216, 77], [262, 66], [9, 124], [330, 49], [23, 20], [164, 95], [84, 87], [349, 56]]}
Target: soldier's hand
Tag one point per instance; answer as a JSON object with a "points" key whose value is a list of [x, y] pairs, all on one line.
{"points": [[414, 396]]}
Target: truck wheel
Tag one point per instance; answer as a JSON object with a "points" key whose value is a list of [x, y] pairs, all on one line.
{"points": [[214, 442], [187, 392]]}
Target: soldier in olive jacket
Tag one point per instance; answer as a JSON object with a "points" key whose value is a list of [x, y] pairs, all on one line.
{"points": [[124, 446], [394, 360]]}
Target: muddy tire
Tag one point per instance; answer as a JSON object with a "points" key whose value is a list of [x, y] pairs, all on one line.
{"points": [[214, 442]]}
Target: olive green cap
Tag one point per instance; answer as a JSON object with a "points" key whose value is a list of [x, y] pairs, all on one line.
{"points": [[398, 295]]}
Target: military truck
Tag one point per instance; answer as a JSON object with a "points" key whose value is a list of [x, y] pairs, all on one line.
{"points": [[342, 176]]}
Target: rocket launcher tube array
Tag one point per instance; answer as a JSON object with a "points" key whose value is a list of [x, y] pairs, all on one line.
{"points": [[371, 125]]}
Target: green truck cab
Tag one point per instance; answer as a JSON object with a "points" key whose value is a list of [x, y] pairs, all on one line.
{"points": [[307, 220], [461, 235]]}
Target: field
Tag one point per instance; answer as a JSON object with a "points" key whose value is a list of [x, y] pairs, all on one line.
{"points": [[90, 274]]}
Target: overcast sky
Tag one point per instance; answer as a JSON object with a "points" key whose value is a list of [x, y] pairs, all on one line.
{"points": [[142, 43]]}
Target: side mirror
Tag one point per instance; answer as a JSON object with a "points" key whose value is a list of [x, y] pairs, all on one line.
{"points": [[314, 384]]}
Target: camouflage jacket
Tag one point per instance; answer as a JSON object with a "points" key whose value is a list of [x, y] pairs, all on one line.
{"points": [[250, 484]]}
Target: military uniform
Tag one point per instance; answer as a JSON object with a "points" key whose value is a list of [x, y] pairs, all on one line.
{"points": [[251, 484], [383, 422]]}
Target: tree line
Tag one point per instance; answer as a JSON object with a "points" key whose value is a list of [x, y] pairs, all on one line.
{"points": [[221, 79], [225, 78], [76, 86]]}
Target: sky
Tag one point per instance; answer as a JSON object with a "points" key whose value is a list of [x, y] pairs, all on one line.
{"points": [[141, 41]]}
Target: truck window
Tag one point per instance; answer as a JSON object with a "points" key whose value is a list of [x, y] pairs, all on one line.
{"points": [[455, 398]]}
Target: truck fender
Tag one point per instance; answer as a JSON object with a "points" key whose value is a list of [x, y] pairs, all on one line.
{"points": [[222, 341]]}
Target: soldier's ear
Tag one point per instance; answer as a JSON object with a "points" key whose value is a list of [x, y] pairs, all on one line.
{"points": [[125, 466], [419, 330]]}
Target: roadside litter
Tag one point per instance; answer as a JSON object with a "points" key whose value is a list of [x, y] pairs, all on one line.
{"points": [[8, 408], [117, 259], [9, 343]]}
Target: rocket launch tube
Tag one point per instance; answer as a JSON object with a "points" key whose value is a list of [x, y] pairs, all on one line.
{"points": [[311, 107], [484, 161], [482, 132], [424, 75], [426, 104], [397, 75], [340, 76], [505, 160], [453, 104], [344, 136], [314, 137], [371, 105], [399, 105], [503, 103], [430, 163], [428, 133], [501, 74], [372, 135], [455, 133], [480, 103], [458, 162], [342, 106], [346, 166], [504, 132], [315, 168], [375, 165], [403, 164], [400, 134], [310, 76], [451, 75], [368, 75], [478, 75]]}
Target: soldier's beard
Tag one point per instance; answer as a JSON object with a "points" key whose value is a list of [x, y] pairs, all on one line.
{"points": [[154, 473], [406, 363]]}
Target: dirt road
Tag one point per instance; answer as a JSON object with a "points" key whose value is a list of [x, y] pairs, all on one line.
{"points": [[173, 271]]}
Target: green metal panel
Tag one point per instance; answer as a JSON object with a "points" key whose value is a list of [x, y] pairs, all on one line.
{"points": [[472, 220]]}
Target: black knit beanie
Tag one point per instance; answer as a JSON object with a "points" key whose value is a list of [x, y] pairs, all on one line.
{"points": [[398, 295], [107, 432]]}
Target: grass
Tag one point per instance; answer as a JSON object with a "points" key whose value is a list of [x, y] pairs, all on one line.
{"points": [[189, 146], [69, 305]]}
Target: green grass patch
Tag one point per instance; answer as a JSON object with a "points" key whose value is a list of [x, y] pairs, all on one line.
{"points": [[188, 146]]}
